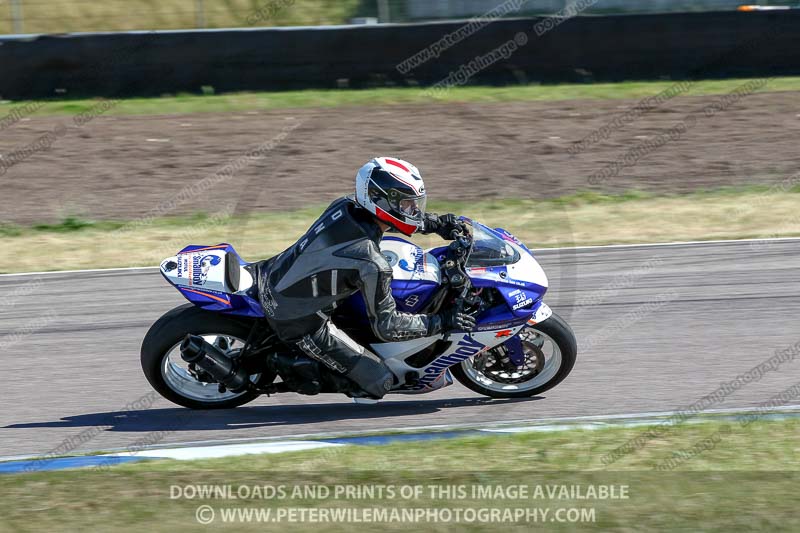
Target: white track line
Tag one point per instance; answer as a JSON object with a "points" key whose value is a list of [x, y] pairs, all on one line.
{"points": [[651, 417], [230, 450], [230, 447], [666, 244], [56, 272], [535, 250], [18, 458]]}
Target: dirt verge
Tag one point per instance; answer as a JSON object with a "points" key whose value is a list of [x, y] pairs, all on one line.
{"points": [[124, 167]]}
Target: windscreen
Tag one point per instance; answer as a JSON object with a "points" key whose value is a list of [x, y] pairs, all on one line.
{"points": [[490, 250]]}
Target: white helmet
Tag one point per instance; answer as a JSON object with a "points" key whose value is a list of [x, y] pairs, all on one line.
{"points": [[393, 191]]}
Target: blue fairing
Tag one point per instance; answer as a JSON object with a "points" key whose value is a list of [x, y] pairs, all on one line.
{"points": [[411, 296], [520, 298], [215, 300], [232, 304], [526, 296]]}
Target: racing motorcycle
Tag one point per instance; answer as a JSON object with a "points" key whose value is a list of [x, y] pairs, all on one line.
{"points": [[219, 352]]}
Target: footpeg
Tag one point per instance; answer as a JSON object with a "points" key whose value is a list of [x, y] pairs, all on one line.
{"points": [[300, 373]]}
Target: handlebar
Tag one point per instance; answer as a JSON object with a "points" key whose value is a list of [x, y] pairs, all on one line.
{"points": [[454, 266], [462, 236], [461, 248]]}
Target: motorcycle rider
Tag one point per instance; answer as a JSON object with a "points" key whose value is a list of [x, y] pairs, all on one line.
{"points": [[339, 256]]}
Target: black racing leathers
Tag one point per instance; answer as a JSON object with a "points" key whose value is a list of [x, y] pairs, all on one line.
{"points": [[336, 258]]}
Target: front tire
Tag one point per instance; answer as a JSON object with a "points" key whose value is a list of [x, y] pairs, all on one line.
{"points": [[163, 368], [546, 371]]}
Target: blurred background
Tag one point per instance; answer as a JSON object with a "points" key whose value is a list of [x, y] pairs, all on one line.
{"points": [[61, 16], [132, 128], [571, 102]]}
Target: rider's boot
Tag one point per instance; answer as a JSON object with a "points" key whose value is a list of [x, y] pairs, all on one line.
{"points": [[372, 375]]}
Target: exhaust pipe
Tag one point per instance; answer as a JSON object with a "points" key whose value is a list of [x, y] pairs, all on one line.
{"points": [[209, 358]]}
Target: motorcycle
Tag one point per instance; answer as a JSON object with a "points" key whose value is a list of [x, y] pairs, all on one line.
{"points": [[219, 352]]}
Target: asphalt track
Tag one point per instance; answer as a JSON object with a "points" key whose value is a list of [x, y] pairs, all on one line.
{"points": [[659, 327]]}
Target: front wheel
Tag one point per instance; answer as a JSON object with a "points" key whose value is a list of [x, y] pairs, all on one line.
{"points": [[172, 377], [550, 351]]}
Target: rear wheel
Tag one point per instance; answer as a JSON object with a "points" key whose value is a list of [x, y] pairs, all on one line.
{"points": [[173, 378], [550, 351]]}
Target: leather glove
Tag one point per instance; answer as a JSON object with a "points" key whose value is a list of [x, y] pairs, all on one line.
{"points": [[453, 319], [442, 225]]}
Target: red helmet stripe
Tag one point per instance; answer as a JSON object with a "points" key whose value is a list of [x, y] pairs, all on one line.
{"points": [[407, 229], [401, 180], [398, 164]]}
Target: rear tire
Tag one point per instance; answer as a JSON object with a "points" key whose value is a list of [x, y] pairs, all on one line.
{"points": [[169, 330], [559, 333]]}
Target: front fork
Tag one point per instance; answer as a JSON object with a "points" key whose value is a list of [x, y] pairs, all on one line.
{"points": [[516, 353]]}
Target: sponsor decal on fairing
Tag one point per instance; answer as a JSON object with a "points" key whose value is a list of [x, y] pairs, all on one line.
{"points": [[417, 265], [468, 347], [200, 266], [412, 300]]}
